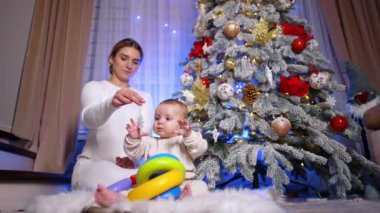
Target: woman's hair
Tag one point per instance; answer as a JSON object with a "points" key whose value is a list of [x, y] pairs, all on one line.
{"points": [[127, 42], [175, 102]]}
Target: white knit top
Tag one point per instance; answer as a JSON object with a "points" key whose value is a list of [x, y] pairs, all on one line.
{"points": [[107, 124]]}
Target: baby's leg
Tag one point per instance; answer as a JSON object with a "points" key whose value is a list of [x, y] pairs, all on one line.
{"points": [[105, 197], [193, 188]]}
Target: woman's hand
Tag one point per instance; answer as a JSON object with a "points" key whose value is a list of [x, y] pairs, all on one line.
{"points": [[134, 130], [126, 95], [185, 128]]}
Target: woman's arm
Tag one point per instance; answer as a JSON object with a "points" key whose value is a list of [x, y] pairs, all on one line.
{"points": [[96, 108]]}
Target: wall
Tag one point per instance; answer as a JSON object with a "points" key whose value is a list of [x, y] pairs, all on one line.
{"points": [[15, 21]]}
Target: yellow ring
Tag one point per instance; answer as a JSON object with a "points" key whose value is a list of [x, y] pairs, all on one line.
{"points": [[157, 185], [157, 165]]}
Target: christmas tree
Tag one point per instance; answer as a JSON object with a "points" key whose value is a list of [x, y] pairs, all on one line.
{"points": [[259, 90]]}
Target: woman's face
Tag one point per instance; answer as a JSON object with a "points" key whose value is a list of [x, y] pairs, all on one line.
{"points": [[124, 64]]}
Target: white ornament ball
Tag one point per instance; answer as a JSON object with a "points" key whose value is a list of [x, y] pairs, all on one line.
{"points": [[225, 91], [318, 81], [186, 80]]}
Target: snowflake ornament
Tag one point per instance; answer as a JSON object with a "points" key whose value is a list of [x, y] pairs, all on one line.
{"points": [[312, 44], [269, 76], [215, 134], [331, 101]]}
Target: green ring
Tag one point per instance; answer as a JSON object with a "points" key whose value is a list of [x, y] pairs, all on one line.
{"points": [[158, 165]]}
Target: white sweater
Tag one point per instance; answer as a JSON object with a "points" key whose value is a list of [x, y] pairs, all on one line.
{"points": [[186, 149], [107, 124]]}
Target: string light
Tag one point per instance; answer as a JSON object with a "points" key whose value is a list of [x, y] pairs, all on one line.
{"points": [[138, 17]]}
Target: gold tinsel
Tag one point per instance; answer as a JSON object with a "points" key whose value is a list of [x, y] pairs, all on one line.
{"points": [[263, 31], [247, 1], [250, 94], [249, 13], [217, 14], [201, 95]]}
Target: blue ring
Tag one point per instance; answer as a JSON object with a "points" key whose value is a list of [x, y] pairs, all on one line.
{"points": [[162, 155], [172, 193]]}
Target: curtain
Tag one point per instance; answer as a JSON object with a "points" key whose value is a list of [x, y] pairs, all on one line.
{"points": [[48, 101], [355, 32], [312, 12], [163, 29]]}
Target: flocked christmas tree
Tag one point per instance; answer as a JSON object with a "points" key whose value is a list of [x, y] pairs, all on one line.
{"points": [[256, 85]]}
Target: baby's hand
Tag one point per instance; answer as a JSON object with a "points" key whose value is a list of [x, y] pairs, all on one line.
{"points": [[185, 128], [134, 130]]}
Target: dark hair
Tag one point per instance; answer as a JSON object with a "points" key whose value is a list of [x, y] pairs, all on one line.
{"points": [[178, 103], [127, 42]]}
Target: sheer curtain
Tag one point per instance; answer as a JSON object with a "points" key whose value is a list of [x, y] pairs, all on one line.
{"points": [[164, 30]]}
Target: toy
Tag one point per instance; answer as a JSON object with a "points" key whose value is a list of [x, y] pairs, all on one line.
{"points": [[164, 184]]}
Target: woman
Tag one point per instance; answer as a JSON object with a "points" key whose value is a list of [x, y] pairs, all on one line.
{"points": [[106, 108]]}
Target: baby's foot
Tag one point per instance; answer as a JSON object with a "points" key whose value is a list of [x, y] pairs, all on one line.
{"points": [[105, 197], [186, 192]]}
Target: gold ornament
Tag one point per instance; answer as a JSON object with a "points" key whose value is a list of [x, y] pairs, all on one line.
{"points": [[250, 94], [217, 14], [281, 126], [256, 60], [264, 31], [306, 99], [231, 29], [230, 63]]}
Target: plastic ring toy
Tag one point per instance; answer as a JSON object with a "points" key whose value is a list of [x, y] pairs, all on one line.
{"points": [[162, 155], [121, 185], [173, 193], [157, 165], [157, 185]]}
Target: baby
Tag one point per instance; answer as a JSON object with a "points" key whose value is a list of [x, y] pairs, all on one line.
{"points": [[176, 137]]}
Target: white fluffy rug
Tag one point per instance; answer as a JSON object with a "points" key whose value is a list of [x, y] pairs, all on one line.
{"points": [[218, 201]]}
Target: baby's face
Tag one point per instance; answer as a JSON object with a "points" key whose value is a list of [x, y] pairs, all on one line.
{"points": [[166, 120]]}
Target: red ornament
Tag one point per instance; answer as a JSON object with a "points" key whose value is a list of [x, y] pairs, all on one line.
{"points": [[296, 30], [362, 97], [339, 123], [197, 51], [293, 86], [205, 82], [298, 45]]}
